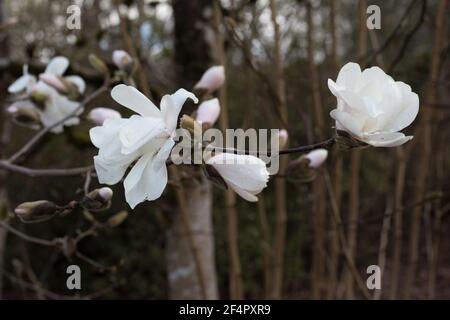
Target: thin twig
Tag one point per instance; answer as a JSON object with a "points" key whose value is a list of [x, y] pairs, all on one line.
{"points": [[45, 172]]}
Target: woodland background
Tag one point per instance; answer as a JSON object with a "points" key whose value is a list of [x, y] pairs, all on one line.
{"points": [[394, 203]]}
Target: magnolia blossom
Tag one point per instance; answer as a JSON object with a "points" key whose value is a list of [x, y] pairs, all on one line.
{"points": [[121, 59], [212, 79], [49, 103], [208, 111], [372, 107], [53, 76], [316, 157], [146, 138], [99, 115], [247, 175]]}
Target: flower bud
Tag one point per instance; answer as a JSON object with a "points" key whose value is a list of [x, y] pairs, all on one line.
{"points": [[36, 211], [39, 98], [188, 123], [99, 115], [208, 111], [282, 138], [117, 219], [98, 64], [212, 79], [25, 113], [316, 157], [122, 59], [98, 199]]}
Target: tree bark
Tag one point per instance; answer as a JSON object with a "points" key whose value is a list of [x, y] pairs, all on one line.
{"points": [[424, 145], [186, 279]]}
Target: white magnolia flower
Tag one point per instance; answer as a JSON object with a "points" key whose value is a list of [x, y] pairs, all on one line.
{"points": [[208, 111], [99, 115], [55, 107], [316, 157], [121, 59], [247, 175], [44, 96], [372, 107], [53, 75], [146, 138], [212, 79]]}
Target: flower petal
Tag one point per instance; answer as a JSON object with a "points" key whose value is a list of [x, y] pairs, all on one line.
{"points": [[347, 121], [408, 110], [148, 178], [22, 83], [78, 81], [134, 100], [108, 173], [349, 75], [57, 66], [245, 174], [171, 106], [386, 139], [138, 131]]}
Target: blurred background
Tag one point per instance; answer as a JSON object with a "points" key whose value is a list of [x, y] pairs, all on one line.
{"points": [[278, 55]]}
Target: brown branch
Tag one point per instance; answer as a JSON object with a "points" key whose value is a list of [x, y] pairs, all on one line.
{"points": [[44, 172]]}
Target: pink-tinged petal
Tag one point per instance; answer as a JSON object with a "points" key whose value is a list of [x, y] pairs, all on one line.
{"points": [[208, 111]]}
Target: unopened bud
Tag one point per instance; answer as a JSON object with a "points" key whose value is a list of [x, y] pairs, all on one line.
{"points": [[212, 79], [39, 98], [25, 113], [36, 211], [208, 111], [282, 138], [122, 60], [99, 115], [188, 123], [117, 219], [98, 199], [316, 157], [98, 64]]}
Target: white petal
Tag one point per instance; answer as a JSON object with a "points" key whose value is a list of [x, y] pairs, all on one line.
{"points": [[349, 75], [347, 122], [108, 173], [390, 139], [408, 110], [243, 173], [148, 178], [138, 131], [171, 106], [78, 81], [134, 100], [57, 66], [24, 82], [243, 193]]}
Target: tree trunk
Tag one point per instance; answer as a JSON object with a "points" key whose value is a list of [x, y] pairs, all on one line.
{"points": [[183, 255]]}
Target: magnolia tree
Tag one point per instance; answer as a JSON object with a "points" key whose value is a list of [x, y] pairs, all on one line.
{"points": [[372, 108]]}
